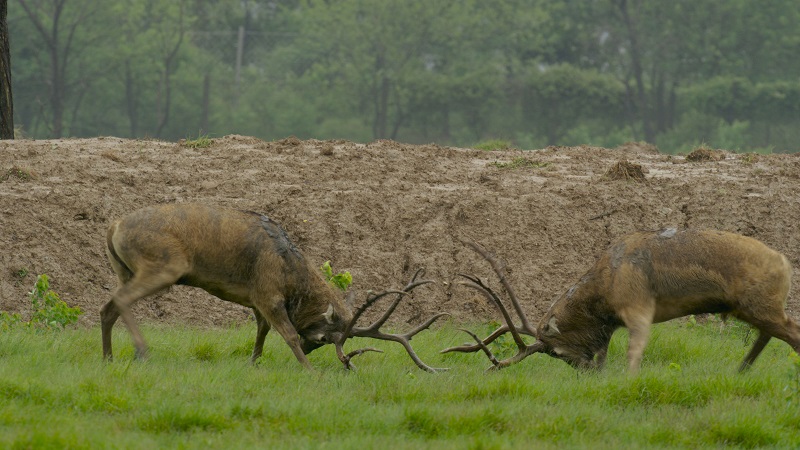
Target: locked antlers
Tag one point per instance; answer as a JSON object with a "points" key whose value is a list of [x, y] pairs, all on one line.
{"points": [[373, 331], [474, 282]]}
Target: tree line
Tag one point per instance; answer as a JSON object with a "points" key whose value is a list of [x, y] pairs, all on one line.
{"points": [[530, 72]]}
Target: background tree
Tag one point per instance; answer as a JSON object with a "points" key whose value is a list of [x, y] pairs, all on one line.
{"points": [[533, 72], [6, 98], [69, 31]]}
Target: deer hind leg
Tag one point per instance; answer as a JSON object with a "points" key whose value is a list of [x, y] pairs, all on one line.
{"points": [[109, 312], [108, 317], [786, 330], [758, 346], [139, 286], [261, 334]]}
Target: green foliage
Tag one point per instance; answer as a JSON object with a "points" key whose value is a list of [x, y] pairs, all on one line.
{"points": [[561, 97], [48, 310], [341, 280]]}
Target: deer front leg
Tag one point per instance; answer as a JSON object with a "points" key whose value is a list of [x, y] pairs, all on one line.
{"points": [[278, 318], [639, 335]]}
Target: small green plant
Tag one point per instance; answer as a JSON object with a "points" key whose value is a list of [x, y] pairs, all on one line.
{"points": [[19, 173], [202, 141], [341, 280], [519, 163], [493, 144], [9, 321], [749, 158], [49, 311]]}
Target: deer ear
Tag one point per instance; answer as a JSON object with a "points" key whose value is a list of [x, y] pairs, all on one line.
{"points": [[551, 329], [328, 315]]}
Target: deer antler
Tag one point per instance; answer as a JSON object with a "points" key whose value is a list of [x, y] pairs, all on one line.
{"points": [[525, 328], [373, 331]]}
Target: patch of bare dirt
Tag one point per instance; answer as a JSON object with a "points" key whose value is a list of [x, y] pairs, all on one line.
{"points": [[380, 210]]}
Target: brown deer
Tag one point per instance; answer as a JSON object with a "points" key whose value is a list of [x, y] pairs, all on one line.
{"points": [[646, 278], [242, 257]]}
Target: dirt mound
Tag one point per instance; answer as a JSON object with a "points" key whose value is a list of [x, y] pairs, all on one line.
{"points": [[380, 210]]}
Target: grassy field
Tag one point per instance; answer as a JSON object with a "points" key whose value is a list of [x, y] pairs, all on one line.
{"points": [[198, 390]]}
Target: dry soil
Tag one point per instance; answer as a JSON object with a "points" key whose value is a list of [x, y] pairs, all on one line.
{"points": [[379, 210]]}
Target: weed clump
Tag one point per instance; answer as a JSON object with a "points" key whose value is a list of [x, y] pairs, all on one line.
{"points": [[493, 144], [201, 142], [703, 153], [18, 173], [625, 170]]}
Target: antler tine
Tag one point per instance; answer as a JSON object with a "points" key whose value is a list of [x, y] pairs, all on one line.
{"points": [[476, 283], [499, 269], [425, 325], [482, 346], [346, 358], [490, 294], [469, 348], [373, 330], [371, 299], [403, 339], [409, 287]]}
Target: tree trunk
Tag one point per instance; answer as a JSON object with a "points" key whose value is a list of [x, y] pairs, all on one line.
{"points": [[638, 71], [6, 101]]}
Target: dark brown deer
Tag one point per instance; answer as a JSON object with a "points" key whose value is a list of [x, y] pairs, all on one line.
{"points": [[242, 257], [646, 278]]}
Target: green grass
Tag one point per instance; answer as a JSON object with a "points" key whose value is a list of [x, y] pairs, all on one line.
{"points": [[202, 141], [493, 144], [198, 390]]}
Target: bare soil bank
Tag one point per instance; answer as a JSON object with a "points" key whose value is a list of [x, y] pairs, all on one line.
{"points": [[380, 210]]}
